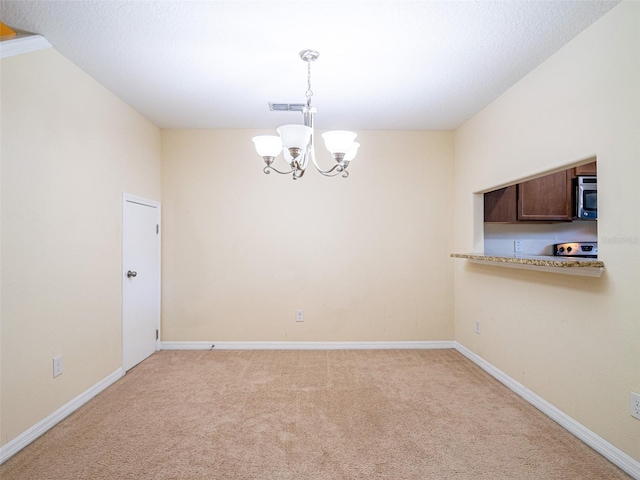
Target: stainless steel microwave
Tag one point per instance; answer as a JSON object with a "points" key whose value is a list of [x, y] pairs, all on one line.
{"points": [[587, 197]]}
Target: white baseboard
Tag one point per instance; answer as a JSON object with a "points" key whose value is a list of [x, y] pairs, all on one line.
{"points": [[25, 438], [305, 345], [599, 444]]}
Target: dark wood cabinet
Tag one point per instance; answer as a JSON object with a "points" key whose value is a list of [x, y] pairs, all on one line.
{"points": [[547, 198], [543, 199], [588, 169], [501, 205]]}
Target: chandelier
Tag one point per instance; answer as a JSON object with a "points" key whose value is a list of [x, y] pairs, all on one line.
{"points": [[296, 142]]}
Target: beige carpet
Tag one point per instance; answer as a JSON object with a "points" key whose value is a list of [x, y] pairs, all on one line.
{"points": [[342, 414]]}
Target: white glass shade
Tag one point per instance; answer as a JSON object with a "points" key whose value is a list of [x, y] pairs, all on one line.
{"points": [[351, 153], [339, 141], [267, 145], [295, 136]]}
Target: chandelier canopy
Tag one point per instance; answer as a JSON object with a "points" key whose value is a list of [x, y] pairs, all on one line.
{"points": [[296, 142]]}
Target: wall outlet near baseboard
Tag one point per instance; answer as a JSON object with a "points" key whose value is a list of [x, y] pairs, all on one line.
{"points": [[299, 315], [57, 366], [635, 405], [478, 327]]}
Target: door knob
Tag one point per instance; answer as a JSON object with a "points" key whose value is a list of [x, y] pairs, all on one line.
{"points": [[131, 274]]}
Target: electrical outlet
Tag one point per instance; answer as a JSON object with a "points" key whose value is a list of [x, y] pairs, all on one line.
{"points": [[57, 366], [517, 246], [635, 405], [478, 327], [299, 316]]}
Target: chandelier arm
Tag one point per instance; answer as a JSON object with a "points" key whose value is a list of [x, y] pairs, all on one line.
{"points": [[269, 167], [333, 172], [337, 168], [303, 161], [298, 174]]}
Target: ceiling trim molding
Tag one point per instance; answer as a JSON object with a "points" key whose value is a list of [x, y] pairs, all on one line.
{"points": [[22, 44]]}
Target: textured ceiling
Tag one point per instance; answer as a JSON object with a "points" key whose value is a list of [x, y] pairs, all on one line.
{"points": [[383, 64]]}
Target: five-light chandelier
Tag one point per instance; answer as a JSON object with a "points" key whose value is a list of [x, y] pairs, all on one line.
{"points": [[297, 141]]}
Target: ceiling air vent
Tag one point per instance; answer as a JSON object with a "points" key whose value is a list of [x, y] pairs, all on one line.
{"points": [[286, 107]]}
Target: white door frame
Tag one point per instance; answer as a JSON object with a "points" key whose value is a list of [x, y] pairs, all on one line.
{"points": [[127, 197]]}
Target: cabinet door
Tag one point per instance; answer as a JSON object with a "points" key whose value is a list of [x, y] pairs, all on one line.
{"points": [[546, 198], [500, 205]]}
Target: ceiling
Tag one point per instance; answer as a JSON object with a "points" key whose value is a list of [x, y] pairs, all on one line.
{"points": [[397, 65]]}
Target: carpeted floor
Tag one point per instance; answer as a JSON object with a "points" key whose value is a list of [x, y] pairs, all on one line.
{"points": [[338, 414]]}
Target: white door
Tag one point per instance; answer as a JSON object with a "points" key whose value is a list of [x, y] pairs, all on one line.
{"points": [[141, 279]]}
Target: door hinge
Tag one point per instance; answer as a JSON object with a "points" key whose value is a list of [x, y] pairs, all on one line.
{"points": [[157, 334], [157, 229]]}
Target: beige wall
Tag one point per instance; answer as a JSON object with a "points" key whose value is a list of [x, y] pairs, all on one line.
{"points": [[573, 341], [366, 257], [69, 150]]}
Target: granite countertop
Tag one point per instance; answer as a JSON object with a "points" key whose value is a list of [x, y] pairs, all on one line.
{"points": [[577, 266]]}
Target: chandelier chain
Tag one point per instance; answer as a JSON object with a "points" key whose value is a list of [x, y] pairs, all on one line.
{"points": [[309, 92]]}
